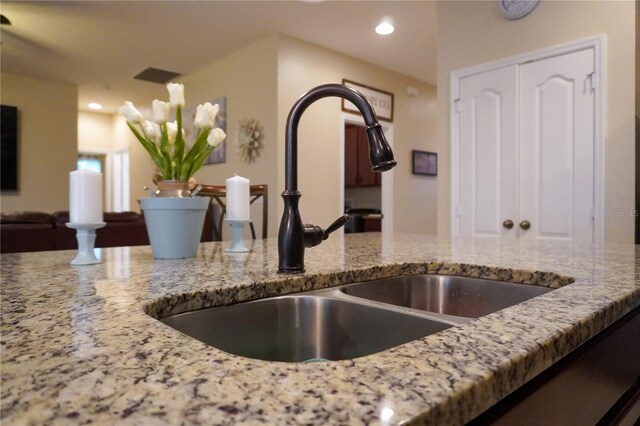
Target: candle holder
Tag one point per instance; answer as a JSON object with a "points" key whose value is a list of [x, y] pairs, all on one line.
{"points": [[237, 232], [86, 236]]}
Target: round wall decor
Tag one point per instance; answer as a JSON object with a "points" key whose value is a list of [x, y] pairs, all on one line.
{"points": [[249, 139], [516, 9]]}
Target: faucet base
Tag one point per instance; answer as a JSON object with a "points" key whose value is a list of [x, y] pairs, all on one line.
{"points": [[291, 236], [293, 270]]}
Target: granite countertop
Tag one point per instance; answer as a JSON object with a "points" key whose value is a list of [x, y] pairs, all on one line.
{"points": [[79, 345]]}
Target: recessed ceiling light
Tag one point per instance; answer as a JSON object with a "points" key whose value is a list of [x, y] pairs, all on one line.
{"points": [[384, 28], [95, 106]]}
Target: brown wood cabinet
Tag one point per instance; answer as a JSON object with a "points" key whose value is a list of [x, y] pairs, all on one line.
{"points": [[372, 224], [596, 384], [357, 166]]}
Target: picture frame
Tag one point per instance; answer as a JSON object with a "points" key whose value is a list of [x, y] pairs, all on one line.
{"points": [[424, 163], [380, 100]]}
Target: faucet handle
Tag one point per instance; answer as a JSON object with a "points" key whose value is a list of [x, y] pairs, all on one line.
{"points": [[314, 235], [337, 224]]}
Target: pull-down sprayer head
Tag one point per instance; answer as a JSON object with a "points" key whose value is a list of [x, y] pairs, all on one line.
{"points": [[380, 152]]}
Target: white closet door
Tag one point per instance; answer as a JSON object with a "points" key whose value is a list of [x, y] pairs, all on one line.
{"points": [[556, 147], [488, 152]]}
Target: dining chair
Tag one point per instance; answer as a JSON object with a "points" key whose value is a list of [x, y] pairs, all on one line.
{"points": [[219, 193]]}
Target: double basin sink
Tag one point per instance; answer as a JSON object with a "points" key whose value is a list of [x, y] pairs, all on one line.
{"points": [[349, 321]]}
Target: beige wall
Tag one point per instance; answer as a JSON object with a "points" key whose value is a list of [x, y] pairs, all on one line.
{"points": [[95, 132], [471, 33], [302, 66], [47, 142]]}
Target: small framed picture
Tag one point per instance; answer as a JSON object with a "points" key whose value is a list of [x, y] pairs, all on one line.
{"points": [[425, 163]]}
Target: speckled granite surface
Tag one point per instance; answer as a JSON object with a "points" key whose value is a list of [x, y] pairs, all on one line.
{"points": [[78, 346]]}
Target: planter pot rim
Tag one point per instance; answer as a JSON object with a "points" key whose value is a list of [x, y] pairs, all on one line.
{"points": [[174, 203]]}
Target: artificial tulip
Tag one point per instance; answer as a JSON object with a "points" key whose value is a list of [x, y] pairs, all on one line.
{"points": [[176, 94], [129, 111], [160, 111], [216, 136]]}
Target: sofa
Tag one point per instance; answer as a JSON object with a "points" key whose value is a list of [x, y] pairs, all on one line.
{"points": [[36, 231], [26, 231]]}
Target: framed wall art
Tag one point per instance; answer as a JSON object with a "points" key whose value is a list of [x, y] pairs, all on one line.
{"points": [[381, 101], [424, 163]]}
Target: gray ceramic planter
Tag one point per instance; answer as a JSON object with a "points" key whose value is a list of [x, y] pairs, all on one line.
{"points": [[174, 225]]}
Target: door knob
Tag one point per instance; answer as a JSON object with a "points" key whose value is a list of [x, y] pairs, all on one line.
{"points": [[508, 224], [525, 224]]}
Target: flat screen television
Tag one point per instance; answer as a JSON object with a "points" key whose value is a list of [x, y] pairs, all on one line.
{"points": [[9, 148]]}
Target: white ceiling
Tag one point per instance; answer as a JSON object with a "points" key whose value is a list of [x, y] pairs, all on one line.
{"points": [[101, 45]]}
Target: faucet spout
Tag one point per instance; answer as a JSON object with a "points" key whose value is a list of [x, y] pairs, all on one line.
{"points": [[293, 236]]}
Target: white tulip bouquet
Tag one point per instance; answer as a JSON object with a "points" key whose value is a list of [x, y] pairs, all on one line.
{"points": [[164, 140]]}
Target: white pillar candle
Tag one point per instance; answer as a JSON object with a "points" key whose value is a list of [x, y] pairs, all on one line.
{"points": [[85, 196], [237, 198]]}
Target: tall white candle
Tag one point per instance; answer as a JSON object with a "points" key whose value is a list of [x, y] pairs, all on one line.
{"points": [[237, 198], [85, 196]]}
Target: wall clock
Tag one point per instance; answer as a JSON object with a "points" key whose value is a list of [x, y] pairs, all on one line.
{"points": [[516, 9]]}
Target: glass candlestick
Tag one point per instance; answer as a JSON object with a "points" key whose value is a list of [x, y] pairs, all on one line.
{"points": [[86, 236], [237, 234]]}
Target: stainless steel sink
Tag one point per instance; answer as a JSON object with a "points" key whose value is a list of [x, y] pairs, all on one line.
{"points": [[449, 295], [303, 327], [349, 321]]}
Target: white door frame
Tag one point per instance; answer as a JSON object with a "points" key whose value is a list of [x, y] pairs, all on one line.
{"points": [[107, 173], [387, 177], [121, 178], [598, 43], [116, 197]]}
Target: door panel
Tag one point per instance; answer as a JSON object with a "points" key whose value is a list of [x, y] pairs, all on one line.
{"points": [[488, 136], [557, 144], [486, 116], [555, 180]]}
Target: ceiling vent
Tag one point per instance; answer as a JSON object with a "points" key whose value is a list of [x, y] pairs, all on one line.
{"points": [[155, 75]]}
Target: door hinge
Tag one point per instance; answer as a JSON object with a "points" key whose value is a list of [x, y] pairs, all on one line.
{"points": [[456, 105], [592, 83]]}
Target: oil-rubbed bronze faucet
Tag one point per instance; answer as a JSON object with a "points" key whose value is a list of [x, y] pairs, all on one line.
{"points": [[293, 236]]}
